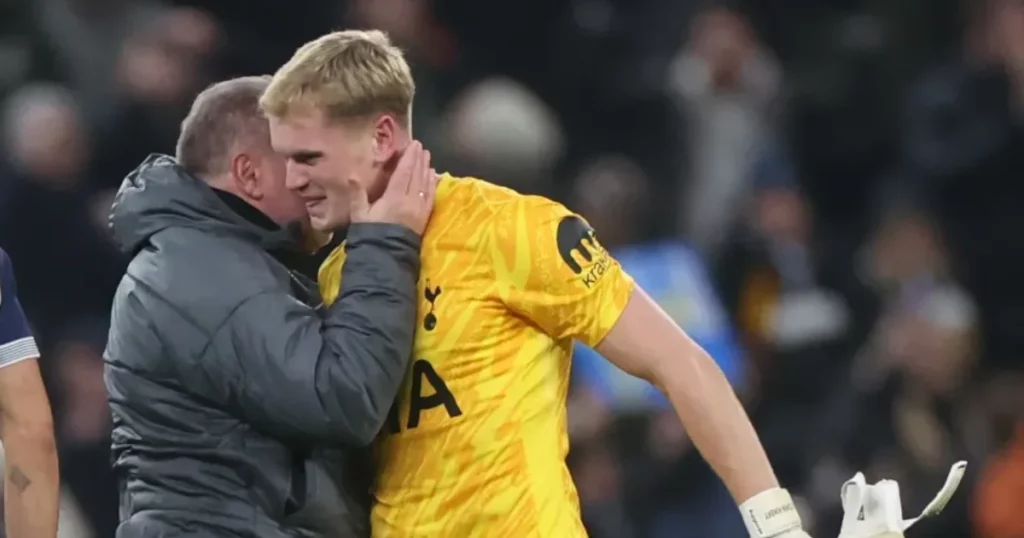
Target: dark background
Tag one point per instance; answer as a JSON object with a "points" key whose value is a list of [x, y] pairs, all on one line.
{"points": [[848, 172]]}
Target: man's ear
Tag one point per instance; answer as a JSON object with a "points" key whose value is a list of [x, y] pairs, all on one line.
{"points": [[386, 139], [246, 176]]}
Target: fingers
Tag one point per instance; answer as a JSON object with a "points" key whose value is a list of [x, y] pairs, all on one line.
{"points": [[421, 175], [403, 176], [416, 174], [428, 182], [409, 197], [359, 201]]}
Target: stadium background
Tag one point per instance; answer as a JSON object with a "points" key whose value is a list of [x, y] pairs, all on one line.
{"points": [[826, 193]]}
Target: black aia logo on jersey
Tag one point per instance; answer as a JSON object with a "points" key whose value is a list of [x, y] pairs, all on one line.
{"points": [[580, 250]]}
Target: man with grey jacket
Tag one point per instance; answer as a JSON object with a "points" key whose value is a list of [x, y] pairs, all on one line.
{"points": [[240, 403]]}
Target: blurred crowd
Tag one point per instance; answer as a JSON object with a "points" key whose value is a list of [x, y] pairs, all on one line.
{"points": [[827, 195]]}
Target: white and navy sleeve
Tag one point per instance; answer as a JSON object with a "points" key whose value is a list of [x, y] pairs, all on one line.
{"points": [[16, 342]]}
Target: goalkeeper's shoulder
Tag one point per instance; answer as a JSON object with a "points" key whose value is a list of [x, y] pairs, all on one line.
{"points": [[490, 198]]}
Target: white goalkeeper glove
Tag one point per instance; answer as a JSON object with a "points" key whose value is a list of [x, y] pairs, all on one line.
{"points": [[875, 510], [772, 514]]}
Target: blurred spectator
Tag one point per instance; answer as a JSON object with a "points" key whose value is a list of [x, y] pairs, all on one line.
{"points": [[787, 290], [159, 69], [964, 133], [45, 219], [46, 135], [432, 50], [256, 38], [726, 84], [910, 408], [959, 111], [797, 305], [608, 404], [87, 35], [409, 23], [501, 131], [25, 51]]}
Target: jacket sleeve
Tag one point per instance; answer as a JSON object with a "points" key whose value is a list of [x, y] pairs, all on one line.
{"points": [[332, 377]]}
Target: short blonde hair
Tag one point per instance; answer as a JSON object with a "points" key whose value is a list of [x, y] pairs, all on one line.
{"points": [[346, 75]]}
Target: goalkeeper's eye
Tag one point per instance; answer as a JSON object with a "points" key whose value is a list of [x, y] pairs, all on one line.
{"points": [[306, 158]]}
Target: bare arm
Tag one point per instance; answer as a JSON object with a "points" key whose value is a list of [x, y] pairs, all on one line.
{"points": [[646, 343], [573, 289], [31, 482], [31, 477]]}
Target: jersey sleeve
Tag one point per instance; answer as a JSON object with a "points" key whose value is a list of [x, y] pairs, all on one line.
{"points": [[553, 271], [16, 342]]}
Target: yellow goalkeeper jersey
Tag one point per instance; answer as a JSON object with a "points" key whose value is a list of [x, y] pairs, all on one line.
{"points": [[476, 442]]}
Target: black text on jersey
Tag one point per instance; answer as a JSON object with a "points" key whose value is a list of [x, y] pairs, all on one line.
{"points": [[423, 373]]}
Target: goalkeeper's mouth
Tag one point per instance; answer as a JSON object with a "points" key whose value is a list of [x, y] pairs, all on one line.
{"points": [[314, 203]]}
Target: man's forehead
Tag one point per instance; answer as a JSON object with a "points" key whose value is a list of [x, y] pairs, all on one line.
{"points": [[296, 133], [304, 116]]}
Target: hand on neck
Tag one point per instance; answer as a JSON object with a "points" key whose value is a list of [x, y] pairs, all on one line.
{"points": [[387, 169]]}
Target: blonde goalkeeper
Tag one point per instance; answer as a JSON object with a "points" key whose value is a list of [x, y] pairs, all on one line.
{"points": [[477, 441]]}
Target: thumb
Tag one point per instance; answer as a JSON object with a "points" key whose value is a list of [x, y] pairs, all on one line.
{"points": [[359, 202]]}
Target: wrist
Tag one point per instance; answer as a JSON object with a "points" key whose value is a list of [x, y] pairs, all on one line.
{"points": [[770, 514]]}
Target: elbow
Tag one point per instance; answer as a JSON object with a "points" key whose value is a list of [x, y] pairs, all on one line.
{"points": [[358, 387], [351, 408], [40, 436], [348, 425], [694, 371], [366, 400], [361, 420]]}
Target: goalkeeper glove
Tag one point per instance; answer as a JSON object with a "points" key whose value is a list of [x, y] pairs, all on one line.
{"points": [[772, 514], [875, 510]]}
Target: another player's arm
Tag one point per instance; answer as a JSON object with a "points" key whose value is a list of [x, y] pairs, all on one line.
{"points": [[31, 477], [559, 276]]}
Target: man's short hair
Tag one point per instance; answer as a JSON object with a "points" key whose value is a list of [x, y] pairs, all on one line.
{"points": [[346, 75], [221, 115]]}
